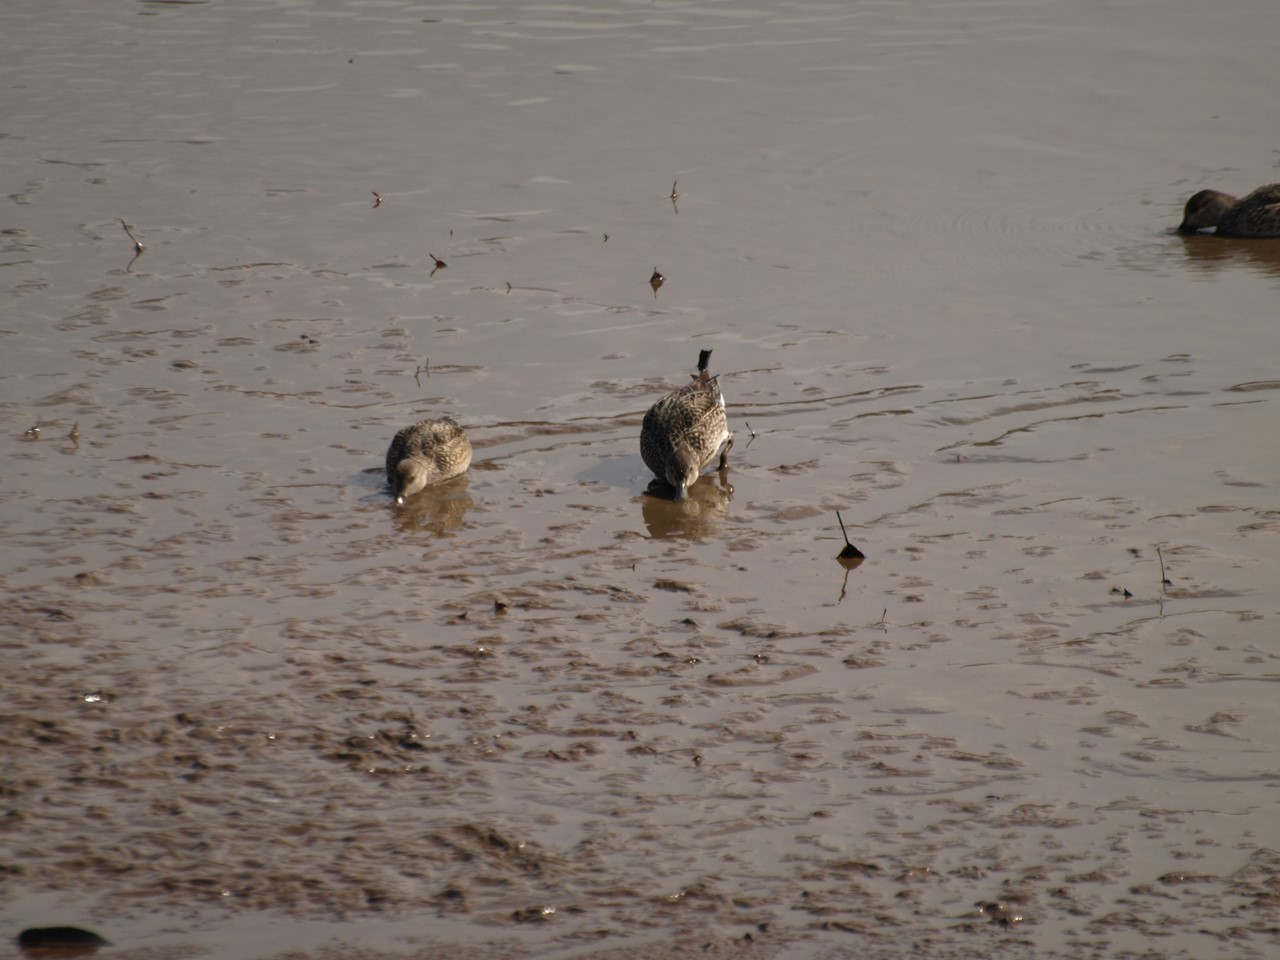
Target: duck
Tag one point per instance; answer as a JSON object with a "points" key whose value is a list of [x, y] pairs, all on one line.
{"points": [[683, 431], [1257, 215], [426, 453]]}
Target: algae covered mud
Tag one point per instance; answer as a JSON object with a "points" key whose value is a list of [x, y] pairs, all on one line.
{"points": [[251, 707]]}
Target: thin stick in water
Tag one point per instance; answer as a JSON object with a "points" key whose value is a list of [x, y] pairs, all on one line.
{"points": [[850, 552], [137, 247]]}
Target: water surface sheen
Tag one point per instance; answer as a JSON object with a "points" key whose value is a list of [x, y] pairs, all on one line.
{"points": [[250, 708]]}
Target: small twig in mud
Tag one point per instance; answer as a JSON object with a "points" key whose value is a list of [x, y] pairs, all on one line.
{"points": [[508, 286], [674, 194], [377, 199], [1165, 581], [850, 552], [656, 281], [749, 430], [439, 264], [606, 238], [137, 247], [883, 617], [74, 435], [424, 368]]}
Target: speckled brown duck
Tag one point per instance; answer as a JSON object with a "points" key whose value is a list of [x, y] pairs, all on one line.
{"points": [[1257, 215], [426, 453], [683, 432]]}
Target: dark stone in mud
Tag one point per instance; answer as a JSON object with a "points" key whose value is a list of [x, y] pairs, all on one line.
{"points": [[62, 939]]}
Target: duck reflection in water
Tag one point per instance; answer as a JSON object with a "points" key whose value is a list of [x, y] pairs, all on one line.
{"points": [[705, 504], [440, 509], [1208, 253]]}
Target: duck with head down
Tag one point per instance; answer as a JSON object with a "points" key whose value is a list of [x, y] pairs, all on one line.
{"points": [[426, 453], [683, 432], [1256, 215]]}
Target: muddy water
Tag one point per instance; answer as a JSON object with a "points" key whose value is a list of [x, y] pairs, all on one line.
{"points": [[249, 707]]}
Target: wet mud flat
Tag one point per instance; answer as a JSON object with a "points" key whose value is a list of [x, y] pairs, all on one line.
{"points": [[531, 702], [252, 708]]}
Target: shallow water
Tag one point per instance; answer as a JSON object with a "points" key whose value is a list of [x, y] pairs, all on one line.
{"points": [[252, 708]]}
